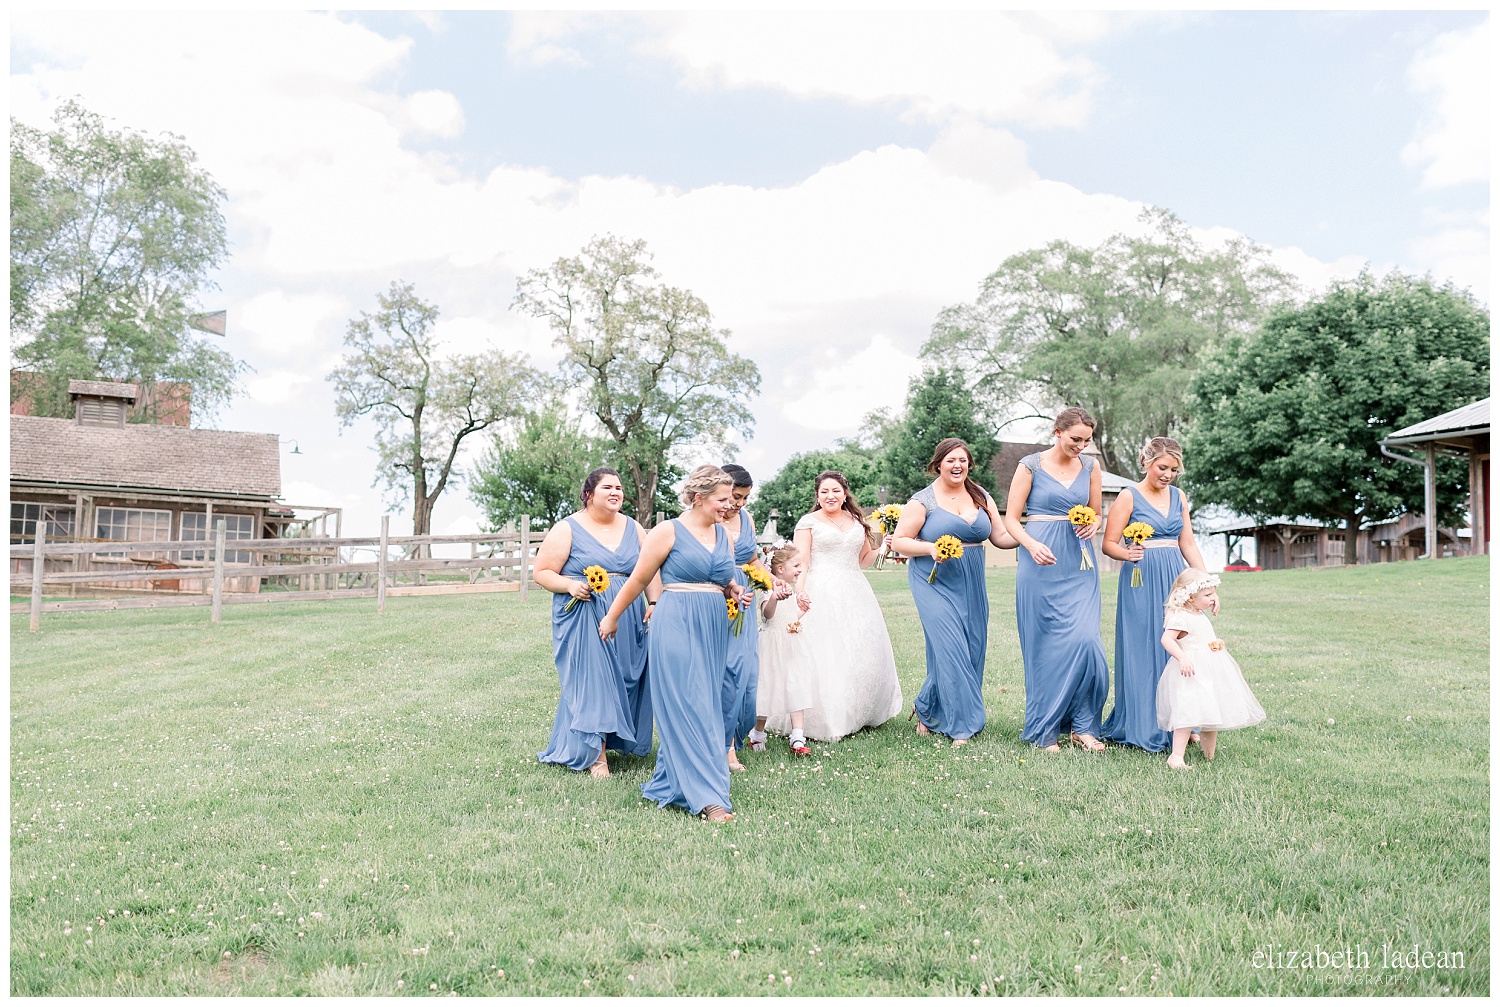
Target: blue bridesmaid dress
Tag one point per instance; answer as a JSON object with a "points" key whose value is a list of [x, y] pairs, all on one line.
{"points": [[1139, 655], [604, 701], [743, 672], [1057, 614], [689, 645], [955, 614]]}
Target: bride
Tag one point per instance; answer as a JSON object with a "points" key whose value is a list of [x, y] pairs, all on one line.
{"points": [[843, 634]]}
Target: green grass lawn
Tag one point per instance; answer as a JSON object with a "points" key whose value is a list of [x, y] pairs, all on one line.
{"points": [[313, 799]]}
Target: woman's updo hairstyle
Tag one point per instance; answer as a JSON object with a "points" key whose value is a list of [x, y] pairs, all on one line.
{"points": [[1071, 417], [1158, 446], [702, 481], [739, 475], [946, 447], [591, 482]]}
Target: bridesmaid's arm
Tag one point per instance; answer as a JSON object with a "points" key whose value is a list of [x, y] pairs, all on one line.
{"points": [[1189, 546], [999, 537], [654, 552], [1015, 506], [904, 540], [1119, 516], [550, 557]]}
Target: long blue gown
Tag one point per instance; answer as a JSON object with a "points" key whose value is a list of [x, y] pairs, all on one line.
{"points": [[604, 701], [743, 672], [1139, 655], [1057, 615], [955, 614], [689, 645]]}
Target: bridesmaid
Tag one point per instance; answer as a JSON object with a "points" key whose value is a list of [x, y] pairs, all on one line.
{"points": [[604, 702], [1057, 603], [689, 645], [1139, 655], [955, 607], [743, 673]]}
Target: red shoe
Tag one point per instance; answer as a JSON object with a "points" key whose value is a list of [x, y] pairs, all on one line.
{"points": [[800, 748]]}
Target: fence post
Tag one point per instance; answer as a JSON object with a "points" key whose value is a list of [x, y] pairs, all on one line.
{"points": [[218, 606], [385, 535], [37, 565], [525, 565]]}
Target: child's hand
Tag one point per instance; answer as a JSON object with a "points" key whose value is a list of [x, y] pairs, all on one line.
{"points": [[783, 590], [804, 602], [1186, 667]]}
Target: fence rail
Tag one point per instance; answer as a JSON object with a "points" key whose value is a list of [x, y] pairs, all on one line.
{"points": [[196, 572]]}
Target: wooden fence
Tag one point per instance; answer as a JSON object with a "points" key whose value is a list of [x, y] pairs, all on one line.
{"points": [[289, 569]]}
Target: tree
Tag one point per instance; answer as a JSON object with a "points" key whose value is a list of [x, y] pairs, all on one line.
{"points": [[113, 234], [938, 405], [538, 472], [424, 405], [654, 372], [1118, 329], [791, 492], [1288, 420]]}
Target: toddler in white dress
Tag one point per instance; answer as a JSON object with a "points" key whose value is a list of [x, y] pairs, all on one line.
{"points": [[1201, 686], [785, 688]]}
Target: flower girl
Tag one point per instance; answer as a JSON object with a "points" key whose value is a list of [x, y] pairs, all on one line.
{"points": [[1202, 686], [785, 688]]}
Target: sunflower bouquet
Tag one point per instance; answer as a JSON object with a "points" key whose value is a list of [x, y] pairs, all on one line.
{"points": [[884, 520], [758, 577], [598, 580], [948, 547], [1137, 532], [736, 617], [1081, 517]]}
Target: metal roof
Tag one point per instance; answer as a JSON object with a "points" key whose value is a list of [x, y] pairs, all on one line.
{"points": [[1464, 421]]}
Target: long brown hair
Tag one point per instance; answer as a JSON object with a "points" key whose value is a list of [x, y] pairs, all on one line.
{"points": [[946, 447], [851, 506]]}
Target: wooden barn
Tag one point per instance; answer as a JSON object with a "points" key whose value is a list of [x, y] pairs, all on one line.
{"points": [[97, 478]]}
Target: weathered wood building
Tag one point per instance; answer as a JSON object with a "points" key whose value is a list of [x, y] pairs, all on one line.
{"points": [[96, 477]]}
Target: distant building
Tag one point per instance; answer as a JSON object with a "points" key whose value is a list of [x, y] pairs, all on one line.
{"points": [[96, 477]]}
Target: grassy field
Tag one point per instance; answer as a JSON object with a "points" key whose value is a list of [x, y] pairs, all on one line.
{"points": [[312, 799]]}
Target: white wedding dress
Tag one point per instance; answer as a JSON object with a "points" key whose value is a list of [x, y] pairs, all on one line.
{"points": [[844, 639]]}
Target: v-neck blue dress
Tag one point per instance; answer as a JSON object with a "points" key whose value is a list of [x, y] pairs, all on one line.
{"points": [[955, 614], [604, 701], [743, 672], [1139, 616], [1057, 615], [689, 647]]}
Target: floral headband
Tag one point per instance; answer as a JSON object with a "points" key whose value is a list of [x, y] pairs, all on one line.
{"points": [[1179, 598]]}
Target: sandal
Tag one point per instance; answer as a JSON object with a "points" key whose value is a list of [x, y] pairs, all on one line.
{"points": [[800, 748], [959, 742], [922, 729], [714, 813], [735, 765], [1091, 745], [600, 769]]}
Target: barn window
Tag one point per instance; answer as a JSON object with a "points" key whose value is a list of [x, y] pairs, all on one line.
{"points": [[195, 528], [101, 412], [128, 524], [24, 516]]}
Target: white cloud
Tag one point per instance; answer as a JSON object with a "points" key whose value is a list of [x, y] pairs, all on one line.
{"points": [[535, 36], [276, 388], [1453, 143], [996, 66], [837, 386]]}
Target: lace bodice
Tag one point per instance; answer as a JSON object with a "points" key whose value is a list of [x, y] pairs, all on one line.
{"points": [[831, 547]]}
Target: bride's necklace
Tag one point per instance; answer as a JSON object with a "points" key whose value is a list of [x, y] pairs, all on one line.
{"points": [[840, 523]]}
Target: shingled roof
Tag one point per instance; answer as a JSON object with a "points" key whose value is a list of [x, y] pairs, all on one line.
{"points": [[142, 456], [103, 389]]}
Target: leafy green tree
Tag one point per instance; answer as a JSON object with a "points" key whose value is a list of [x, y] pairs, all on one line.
{"points": [[424, 404], [938, 405], [792, 491], [537, 472], [654, 371], [1288, 420], [113, 234], [1119, 329]]}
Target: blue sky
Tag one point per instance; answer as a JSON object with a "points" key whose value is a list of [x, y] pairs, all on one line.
{"points": [[826, 183]]}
